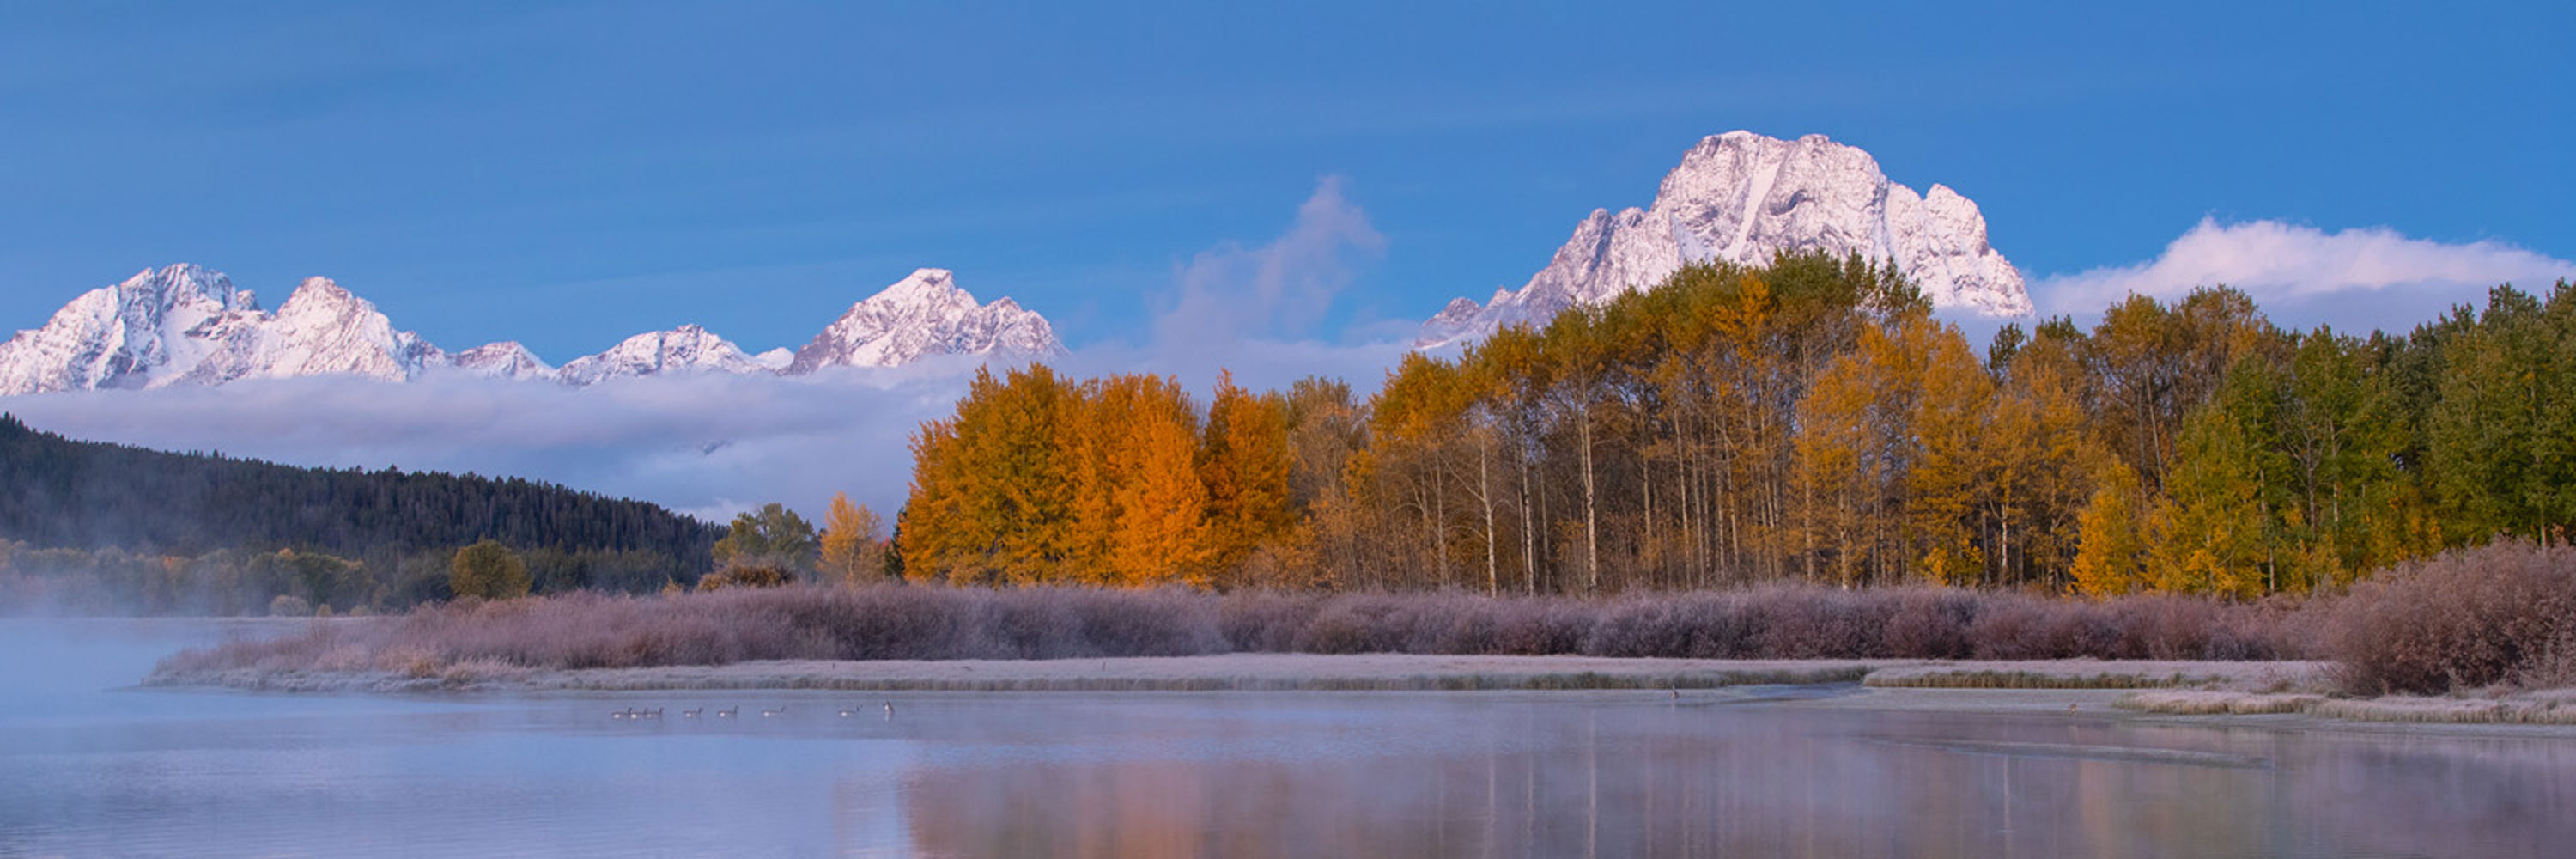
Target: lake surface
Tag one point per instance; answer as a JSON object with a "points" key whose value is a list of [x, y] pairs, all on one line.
{"points": [[89, 768]]}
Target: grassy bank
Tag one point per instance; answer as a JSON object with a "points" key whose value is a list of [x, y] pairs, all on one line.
{"points": [[588, 631], [2499, 620]]}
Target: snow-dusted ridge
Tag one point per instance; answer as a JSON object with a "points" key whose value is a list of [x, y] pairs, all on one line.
{"points": [[187, 325], [1742, 197], [925, 314]]}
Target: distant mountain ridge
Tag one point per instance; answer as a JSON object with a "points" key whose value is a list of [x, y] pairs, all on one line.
{"points": [[187, 325], [1742, 197]]}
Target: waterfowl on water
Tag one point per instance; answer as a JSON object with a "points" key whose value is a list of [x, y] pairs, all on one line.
{"points": [[729, 713], [889, 711], [768, 713], [692, 714]]}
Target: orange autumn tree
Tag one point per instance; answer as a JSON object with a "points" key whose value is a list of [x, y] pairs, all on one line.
{"points": [[991, 491], [1244, 463]]}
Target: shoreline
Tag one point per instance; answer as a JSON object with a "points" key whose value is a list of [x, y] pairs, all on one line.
{"points": [[1275, 672], [2283, 695]]}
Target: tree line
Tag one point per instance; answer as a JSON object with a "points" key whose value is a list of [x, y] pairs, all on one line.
{"points": [[103, 528], [1808, 420]]}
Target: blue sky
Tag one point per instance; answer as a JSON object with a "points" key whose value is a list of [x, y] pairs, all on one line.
{"points": [[1283, 190], [569, 174]]}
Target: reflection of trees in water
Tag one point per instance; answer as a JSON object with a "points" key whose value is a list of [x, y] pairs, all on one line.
{"points": [[1607, 783]]}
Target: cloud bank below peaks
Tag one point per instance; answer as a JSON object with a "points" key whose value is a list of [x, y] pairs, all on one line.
{"points": [[707, 444], [2363, 278]]}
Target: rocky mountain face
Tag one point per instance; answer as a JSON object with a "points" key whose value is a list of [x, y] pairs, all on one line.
{"points": [[686, 349], [1741, 197], [925, 314], [186, 325]]}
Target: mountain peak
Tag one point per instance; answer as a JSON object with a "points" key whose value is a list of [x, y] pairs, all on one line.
{"points": [[186, 324], [1743, 197], [926, 313], [686, 349], [508, 359]]}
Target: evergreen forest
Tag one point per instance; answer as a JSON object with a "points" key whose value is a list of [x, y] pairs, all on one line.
{"points": [[87, 526]]}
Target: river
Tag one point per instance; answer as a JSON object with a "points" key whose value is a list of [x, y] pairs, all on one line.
{"points": [[89, 766]]}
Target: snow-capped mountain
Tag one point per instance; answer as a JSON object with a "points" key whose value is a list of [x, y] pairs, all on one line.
{"points": [[187, 325], [686, 349], [507, 359], [1742, 197], [322, 330], [926, 313]]}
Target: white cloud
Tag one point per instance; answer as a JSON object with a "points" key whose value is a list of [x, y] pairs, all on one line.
{"points": [[2300, 275], [1278, 291]]}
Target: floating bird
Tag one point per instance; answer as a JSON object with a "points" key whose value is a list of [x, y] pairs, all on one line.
{"points": [[889, 711], [692, 714], [736, 710], [627, 713], [654, 713], [845, 712], [768, 713]]}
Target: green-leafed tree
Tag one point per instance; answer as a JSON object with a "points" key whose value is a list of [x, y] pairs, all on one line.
{"points": [[772, 536], [488, 570]]}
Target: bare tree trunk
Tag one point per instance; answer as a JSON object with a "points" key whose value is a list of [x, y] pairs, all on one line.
{"points": [[1485, 493], [1529, 537], [1591, 511]]}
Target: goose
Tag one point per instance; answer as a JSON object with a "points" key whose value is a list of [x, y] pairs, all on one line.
{"points": [[768, 713], [628, 713], [692, 714], [845, 712], [729, 713], [654, 713], [889, 705]]}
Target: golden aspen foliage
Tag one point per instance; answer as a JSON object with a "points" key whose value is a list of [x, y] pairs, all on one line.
{"points": [[853, 543]]}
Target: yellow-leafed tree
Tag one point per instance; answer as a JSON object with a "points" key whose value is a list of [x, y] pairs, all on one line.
{"points": [[1244, 464], [853, 543]]}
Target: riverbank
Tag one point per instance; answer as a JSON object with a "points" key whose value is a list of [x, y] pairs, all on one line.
{"points": [[2199, 690], [1282, 672]]}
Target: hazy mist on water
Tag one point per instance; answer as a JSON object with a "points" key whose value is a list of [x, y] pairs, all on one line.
{"points": [[89, 768]]}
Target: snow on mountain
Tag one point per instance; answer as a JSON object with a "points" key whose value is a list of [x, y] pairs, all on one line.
{"points": [[187, 325], [321, 330], [924, 314], [507, 359], [1741, 197], [686, 349]]}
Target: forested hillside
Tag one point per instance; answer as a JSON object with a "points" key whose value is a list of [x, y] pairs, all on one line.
{"points": [[1804, 421], [60, 493], [114, 528]]}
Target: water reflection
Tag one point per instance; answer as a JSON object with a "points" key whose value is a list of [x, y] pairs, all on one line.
{"points": [[1585, 776], [88, 771]]}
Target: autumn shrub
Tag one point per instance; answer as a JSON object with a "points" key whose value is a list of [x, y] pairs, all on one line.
{"points": [[2505, 613], [1266, 620], [1930, 623], [898, 621]]}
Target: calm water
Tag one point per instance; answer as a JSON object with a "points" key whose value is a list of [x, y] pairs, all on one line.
{"points": [[86, 769]]}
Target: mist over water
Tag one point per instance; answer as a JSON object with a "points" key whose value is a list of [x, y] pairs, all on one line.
{"points": [[90, 768]]}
